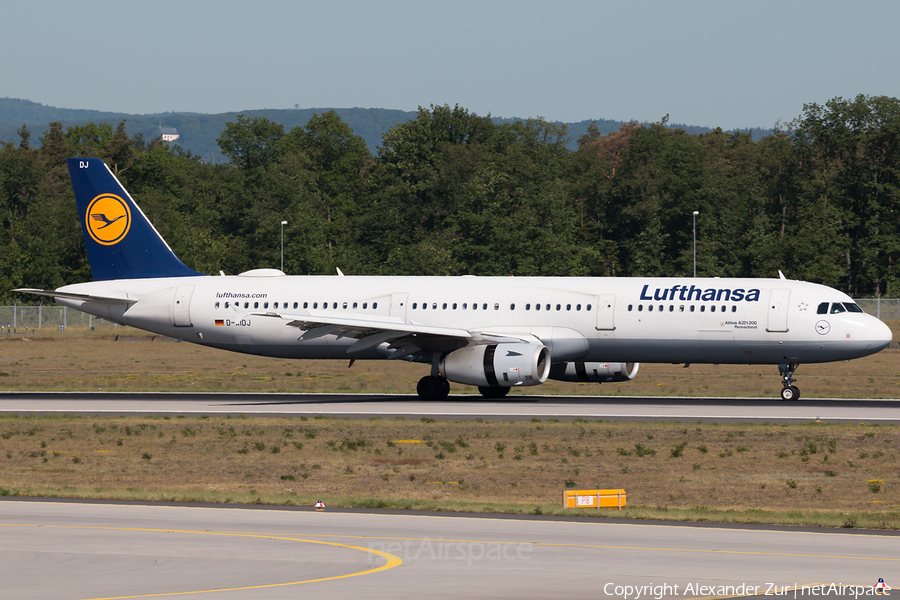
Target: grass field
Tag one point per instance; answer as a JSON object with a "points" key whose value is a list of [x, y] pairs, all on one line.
{"points": [[816, 474], [91, 360]]}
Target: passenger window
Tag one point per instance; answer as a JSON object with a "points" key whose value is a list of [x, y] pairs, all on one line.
{"points": [[354, 306], [558, 307], [256, 305], [424, 306], [265, 305], [465, 306], [512, 307], [823, 309], [365, 305], [692, 308], [374, 305], [474, 306], [306, 305], [226, 305], [712, 308], [724, 308], [315, 305], [851, 307], [568, 307], [681, 308], [528, 307], [345, 306], [588, 307], [702, 308], [577, 307], [484, 306], [217, 305], [295, 305], [837, 307], [496, 306], [548, 307], [650, 307], [454, 306], [630, 306], [415, 304], [661, 308], [445, 306], [434, 306], [734, 308], [275, 305], [537, 307], [334, 305], [671, 308], [640, 307]]}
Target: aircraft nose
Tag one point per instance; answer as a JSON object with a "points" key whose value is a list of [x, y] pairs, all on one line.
{"points": [[880, 335]]}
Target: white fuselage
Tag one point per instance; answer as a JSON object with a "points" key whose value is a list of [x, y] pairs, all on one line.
{"points": [[674, 320]]}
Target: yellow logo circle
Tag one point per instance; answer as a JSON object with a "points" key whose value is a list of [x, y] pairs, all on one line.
{"points": [[108, 219]]}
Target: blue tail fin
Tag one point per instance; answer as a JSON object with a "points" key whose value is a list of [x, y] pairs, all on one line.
{"points": [[121, 242]]}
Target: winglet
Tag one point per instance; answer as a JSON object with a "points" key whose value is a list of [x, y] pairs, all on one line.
{"points": [[121, 242]]}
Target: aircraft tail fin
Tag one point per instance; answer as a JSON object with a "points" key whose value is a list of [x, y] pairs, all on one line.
{"points": [[121, 242]]}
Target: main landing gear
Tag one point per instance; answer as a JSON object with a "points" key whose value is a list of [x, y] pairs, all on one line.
{"points": [[432, 387], [789, 391]]}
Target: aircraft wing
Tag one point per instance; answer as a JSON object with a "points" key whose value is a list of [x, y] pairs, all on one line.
{"points": [[404, 339], [82, 297]]}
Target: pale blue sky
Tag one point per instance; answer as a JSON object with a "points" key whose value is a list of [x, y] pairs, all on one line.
{"points": [[728, 64]]}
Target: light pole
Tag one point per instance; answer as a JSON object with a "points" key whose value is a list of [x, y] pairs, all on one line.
{"points": [[283, 223], [696, 212]]}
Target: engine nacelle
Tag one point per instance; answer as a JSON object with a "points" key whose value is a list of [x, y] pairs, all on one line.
{"points": [[599, 372], [498, 365]]}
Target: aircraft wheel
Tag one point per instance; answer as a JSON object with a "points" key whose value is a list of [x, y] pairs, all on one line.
{"points": [[431, 388], [445, 388], [790, 393], [493, 392]]}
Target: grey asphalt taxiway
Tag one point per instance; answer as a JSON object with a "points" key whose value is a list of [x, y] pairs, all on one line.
{"points": [[84, 550], [514, 407]]}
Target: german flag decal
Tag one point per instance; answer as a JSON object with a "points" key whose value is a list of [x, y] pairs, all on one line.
{"points": [[220, 323]]}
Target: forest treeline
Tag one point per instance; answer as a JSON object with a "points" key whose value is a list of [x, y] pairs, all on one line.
{"points": [[453, 193]]}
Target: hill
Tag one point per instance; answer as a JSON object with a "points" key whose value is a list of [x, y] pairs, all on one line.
{"points": [[199, 131]]}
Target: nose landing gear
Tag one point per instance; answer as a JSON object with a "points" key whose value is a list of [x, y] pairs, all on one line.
{"points": [[789, 391]]}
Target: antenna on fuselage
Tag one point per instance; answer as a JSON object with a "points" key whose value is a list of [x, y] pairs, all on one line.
{"points": [[781, 275]]}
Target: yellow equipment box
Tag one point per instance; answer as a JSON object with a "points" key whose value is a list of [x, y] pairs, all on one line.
{"points": [[593, 498]]}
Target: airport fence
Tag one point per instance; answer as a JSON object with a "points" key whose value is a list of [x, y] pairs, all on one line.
{"points": [[15, 319], [24, 319]]}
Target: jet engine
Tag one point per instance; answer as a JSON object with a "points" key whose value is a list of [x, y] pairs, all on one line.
{"points": [[497, 365], [599, 372]]}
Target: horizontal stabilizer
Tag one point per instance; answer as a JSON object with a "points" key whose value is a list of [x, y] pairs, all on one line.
{"points": [[82, 297]]}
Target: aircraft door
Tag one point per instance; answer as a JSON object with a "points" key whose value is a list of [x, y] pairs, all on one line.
{"points": [[606, 312], [398, 306], [182, 307], [778, 311]]}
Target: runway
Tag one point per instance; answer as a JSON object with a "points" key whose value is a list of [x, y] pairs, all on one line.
{"points": [[80, 551], [455, 407]]}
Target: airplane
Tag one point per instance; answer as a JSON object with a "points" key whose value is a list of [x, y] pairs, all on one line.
{"points": [[495, 333]]}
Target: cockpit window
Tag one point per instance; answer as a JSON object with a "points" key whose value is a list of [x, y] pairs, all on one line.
{"points": [[823, 309], [837, 307], [852, 307]]}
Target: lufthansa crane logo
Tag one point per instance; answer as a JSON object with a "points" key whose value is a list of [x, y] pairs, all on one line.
{"points": [[108, 219]]}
